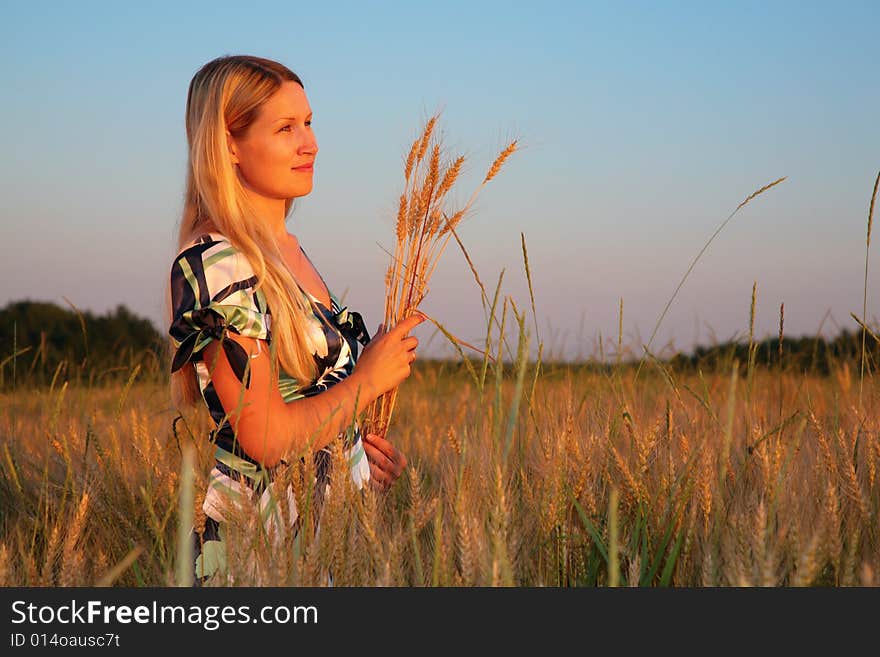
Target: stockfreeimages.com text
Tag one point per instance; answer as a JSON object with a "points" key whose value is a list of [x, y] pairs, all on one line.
{"points": [[211, 617]]}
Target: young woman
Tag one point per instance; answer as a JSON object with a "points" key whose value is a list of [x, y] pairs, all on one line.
{"points": [[256, 333]]}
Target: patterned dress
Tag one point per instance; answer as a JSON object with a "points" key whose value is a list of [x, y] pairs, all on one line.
{"points": [[212, 292]]}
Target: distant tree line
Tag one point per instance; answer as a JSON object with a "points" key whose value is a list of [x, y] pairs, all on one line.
{"points": [[813, 354], [43, 342]]}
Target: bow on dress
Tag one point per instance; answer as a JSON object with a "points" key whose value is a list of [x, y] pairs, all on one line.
{"points": [[214, 325], [351, 325]]}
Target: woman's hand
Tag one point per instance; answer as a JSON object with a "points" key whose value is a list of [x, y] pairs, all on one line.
{"points": [[386, 359], [386, 462]]}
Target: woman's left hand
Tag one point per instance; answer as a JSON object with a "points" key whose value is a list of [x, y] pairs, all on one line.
{"points": [[386, 462]]}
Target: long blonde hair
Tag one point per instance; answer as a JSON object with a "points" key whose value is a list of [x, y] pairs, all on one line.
{"points": [[226, 94]]}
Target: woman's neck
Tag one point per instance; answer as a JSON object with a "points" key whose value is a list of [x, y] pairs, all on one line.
{"points": [[272, 211]]}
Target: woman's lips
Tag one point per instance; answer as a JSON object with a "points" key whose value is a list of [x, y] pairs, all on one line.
{"points": [[305, 167]]}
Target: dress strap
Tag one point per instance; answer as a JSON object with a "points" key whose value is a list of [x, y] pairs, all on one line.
{"points": [[257, 475]]}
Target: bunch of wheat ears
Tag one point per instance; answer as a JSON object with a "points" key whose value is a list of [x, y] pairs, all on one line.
{"points": [[423, 229]]}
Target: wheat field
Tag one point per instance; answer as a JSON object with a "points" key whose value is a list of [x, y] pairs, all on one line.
{"points": [[572, 476]]}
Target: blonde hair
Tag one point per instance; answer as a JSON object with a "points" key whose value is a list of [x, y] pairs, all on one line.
{"points": [[226, 94]]}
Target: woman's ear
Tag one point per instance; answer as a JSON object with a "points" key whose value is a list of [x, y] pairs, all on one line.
{"points": [[230, 143]]}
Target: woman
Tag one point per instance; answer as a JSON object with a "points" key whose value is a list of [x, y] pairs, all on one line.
{"points": [[256, 333]]}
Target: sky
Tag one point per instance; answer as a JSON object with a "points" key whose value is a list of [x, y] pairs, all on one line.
{"points": [[642, 127]]}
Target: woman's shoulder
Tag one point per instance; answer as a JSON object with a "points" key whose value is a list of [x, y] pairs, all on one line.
{"points": [[209, 270], [213, 260], [205, 242], [213, 288]]}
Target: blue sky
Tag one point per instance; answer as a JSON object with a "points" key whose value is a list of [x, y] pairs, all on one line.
{"points": [[643, 126]]}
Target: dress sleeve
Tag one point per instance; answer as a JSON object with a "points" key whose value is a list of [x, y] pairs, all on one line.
{"points": [[212, 292]]}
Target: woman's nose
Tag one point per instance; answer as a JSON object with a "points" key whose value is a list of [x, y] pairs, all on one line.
{"points": [[310, 147]]}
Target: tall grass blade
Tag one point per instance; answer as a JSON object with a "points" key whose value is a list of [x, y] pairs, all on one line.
{"points": [[613, 556], [521, 362], [185, 567], [696, 259], [865, 294], [114, 573]]}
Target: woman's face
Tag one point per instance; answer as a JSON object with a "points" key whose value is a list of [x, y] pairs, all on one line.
{"points": [[275, 144]]}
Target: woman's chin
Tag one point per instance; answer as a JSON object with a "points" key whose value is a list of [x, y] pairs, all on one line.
{"points": [[300, 190]]}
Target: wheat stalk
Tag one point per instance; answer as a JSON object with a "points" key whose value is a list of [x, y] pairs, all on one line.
{"points": [[703, 250], [422, 230], [865, 297]]}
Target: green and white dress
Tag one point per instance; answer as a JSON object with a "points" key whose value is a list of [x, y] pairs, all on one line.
{"points": [[212, 292]]}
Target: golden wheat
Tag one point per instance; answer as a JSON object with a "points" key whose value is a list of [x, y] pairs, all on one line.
{"points": [[421, 222], [96, 498]]}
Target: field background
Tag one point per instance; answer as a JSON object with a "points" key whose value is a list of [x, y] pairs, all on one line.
{"points": [[742, 474]]}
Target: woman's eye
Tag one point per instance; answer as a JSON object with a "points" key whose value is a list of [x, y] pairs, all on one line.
{"points": [[308, 123]]}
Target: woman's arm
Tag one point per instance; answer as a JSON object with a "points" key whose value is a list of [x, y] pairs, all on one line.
{"points": [[270, 429]]}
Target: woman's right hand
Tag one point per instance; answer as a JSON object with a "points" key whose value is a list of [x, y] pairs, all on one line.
{"points": [[387, 358]]}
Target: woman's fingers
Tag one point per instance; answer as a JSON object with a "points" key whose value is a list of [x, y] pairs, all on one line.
{"points": [[378, 457], [378, 478], [382, 445], [386, 462], [406, 325]]}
